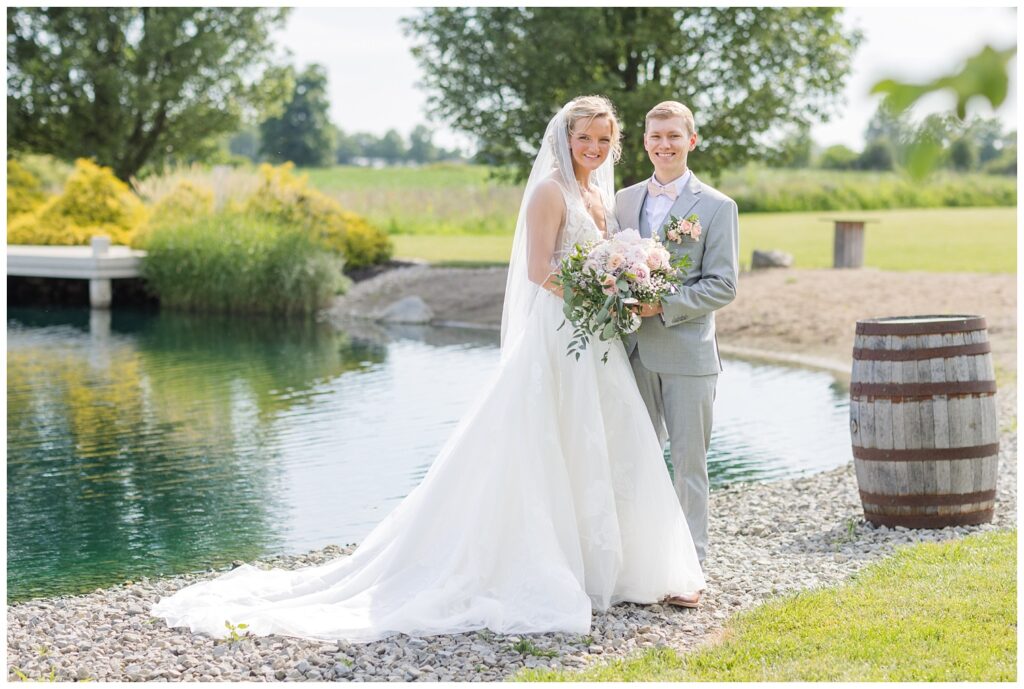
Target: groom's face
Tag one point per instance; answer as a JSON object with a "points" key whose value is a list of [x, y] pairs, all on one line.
{"points": [[668, 142]]}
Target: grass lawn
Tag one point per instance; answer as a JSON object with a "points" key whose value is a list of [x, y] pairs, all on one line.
{"points": [[982, 240], [437, 176], [932, 612]]}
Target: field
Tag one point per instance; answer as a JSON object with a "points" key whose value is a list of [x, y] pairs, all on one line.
{"points": [[457, 215], [978, 240]]}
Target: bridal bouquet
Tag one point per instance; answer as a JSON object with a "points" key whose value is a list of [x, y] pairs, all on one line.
{"points": [[602, 280]]}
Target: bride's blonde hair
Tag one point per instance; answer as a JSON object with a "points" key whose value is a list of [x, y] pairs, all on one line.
{"points": [[588, 109]]}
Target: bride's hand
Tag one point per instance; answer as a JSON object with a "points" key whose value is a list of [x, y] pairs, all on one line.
{"points": [[646, 310]]}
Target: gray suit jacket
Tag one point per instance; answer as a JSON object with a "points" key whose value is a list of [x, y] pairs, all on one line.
{"points": [[682, 340]]}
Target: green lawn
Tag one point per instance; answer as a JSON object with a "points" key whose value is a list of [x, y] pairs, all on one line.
{"points": [[932, 612], [437, 176], [980, 240]]}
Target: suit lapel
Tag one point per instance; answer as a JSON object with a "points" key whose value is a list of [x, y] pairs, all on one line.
{"points": [[638, 206], [687, 199]]}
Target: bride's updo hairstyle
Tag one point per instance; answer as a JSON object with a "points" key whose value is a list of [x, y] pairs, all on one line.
{"points": [[586, 109]]}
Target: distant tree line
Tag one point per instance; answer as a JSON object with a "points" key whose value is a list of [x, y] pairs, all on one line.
{"points": [[977, 144], [303, 134]]}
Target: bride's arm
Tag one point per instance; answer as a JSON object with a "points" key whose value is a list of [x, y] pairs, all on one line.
{"points": [[544, 216]]}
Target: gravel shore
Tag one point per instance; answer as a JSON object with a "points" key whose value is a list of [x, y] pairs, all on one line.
{"points": [[766, 539]]}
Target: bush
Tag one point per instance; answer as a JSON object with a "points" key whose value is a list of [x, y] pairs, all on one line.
{"points": [[288, 199], [50, 171], [184, 203], [240, 262], [24, 190], [761, 190], [838, 157], [94, 201]]}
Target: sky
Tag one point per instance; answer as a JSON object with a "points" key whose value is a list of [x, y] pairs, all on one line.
{"points": [[373, 76]]}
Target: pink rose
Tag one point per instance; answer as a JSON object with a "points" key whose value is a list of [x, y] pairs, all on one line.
{"points": [[673, 235], [615, 261], [642, 273], [695, 230], [608, 284], [687, 227]]}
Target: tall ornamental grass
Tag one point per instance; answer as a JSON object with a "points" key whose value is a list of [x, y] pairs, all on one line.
{"points": [[463, 200], [232, 261], [762, 190]]}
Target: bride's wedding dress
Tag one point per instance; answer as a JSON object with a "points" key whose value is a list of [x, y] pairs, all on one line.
{"points": [[550, 500]]}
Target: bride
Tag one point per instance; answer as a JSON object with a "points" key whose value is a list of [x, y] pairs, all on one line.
{"points": [[550, 500]]}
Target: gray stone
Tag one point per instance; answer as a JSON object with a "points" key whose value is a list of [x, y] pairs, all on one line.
{"points": [[411, 310], [771, 259]]}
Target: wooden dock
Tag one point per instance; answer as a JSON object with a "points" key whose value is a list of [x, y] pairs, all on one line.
{"points": [[98, 263]]}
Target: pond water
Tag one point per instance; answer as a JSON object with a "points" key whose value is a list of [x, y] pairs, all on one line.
{"points": [[148, 444]]}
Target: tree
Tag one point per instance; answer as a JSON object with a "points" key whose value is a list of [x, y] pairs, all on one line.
{"points": [[877, 155], [346, 148], [421, 145], [303, 133], [963, 154], [983, 75], [390, 148], [499, 73], [893, 128], [987, 135], [838, 157], [131, 86], [246, 142], [794, 151]]}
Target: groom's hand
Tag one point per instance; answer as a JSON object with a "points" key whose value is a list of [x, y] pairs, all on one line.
{"points": [[647, 310]]}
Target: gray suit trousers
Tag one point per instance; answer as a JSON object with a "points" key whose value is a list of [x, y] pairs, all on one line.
{"points": [[685, 403]]}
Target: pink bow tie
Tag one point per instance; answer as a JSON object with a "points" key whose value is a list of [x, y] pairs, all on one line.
{"points": [[655, 189]]}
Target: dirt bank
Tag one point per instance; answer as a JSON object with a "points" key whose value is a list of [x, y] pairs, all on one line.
{"points": [[806, 312]]}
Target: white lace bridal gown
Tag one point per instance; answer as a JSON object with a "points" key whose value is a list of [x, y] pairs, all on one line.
{"points": [[551, 499]]}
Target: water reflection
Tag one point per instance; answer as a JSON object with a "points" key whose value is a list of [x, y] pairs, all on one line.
{"points": [[142, 444]]}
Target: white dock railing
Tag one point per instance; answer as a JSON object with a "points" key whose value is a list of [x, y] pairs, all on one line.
{"points": [[98, 263]]}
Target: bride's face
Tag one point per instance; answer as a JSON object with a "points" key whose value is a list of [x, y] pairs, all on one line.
{"points": [[591, 145]]}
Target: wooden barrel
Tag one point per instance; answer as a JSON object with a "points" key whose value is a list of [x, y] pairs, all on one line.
{"points": [[923, 421]]}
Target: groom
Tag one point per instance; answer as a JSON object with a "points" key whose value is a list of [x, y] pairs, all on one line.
{"points": [[674, 354]]}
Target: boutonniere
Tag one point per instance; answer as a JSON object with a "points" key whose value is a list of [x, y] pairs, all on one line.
{"points": [[683, 227]]}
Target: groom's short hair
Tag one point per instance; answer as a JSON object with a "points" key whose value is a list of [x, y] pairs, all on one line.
{"points": [[669, 109]]}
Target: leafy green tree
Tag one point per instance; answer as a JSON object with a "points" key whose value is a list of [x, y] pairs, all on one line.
{"points": [[987, 135], [390, 148], [838, 157], [303, 133], [499, 73], [891, 127], [963, 154], [1006, 162], [246, 142], [421, 145], [877, 155], [134, 86], [347, 147], [794, 151], [984, 74]]}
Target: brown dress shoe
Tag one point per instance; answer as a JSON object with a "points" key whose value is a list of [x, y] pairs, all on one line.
{"points": [[683, 601]]}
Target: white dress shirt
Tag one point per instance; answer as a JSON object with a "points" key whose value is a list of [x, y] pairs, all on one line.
{"points": [[657, 207]]}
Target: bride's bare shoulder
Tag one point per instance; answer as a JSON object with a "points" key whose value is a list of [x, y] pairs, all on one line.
{"points": [[548, 196]]}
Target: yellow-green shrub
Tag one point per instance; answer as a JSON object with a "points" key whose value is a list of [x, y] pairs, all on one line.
{"points": [[186, 202], [94, 201], [287, 198], [24, 190]]}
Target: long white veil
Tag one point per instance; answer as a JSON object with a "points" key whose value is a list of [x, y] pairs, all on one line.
{"points": [[553, 160]]}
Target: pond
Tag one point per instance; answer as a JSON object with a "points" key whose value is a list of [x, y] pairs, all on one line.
{"points": [[142, 444]]}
